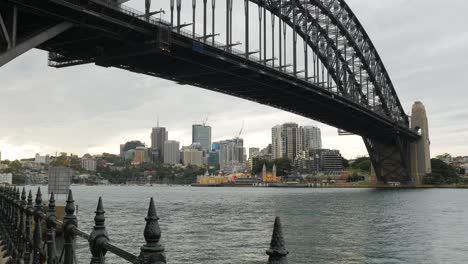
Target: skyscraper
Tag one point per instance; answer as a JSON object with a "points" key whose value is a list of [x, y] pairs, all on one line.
{"points": [[286, 141], [276, 142], [171, 152], [202, 134], [254, 152], [231, 153], [159, 135], [312, 138]]}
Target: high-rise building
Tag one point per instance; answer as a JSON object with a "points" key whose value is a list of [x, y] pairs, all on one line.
{"points": [[231, 153], [171, 152], [311, 138], [202, 135], [286, 141], [276, 142], [215, 146], [140, 155], [192, 156], [253, 152], [292, 140], [159, 135]]}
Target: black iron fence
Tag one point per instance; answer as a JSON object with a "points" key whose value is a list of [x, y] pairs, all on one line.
{"points": [[23, 239]]}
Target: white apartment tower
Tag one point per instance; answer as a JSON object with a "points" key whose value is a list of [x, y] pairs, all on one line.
{"points": [[171, 152], [311, 138]]}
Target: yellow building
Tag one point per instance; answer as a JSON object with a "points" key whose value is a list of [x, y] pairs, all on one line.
{"points": [[270, 177], [140, 155]]}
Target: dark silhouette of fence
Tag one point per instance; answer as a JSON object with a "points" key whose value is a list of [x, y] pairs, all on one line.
{"points": [[21, 224]]}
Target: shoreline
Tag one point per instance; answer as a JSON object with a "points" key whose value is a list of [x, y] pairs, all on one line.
{"points": [[330, 186]]}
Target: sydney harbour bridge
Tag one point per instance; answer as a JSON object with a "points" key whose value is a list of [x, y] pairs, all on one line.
{"points": [[309, 57]]}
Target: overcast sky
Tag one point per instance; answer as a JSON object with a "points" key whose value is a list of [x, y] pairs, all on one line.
{"points": [[89, 109]]}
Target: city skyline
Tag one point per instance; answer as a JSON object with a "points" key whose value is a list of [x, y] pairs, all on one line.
{"points": [[88, 116]]}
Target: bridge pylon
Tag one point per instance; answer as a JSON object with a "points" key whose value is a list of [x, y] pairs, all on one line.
{"points": [[420, 155]]}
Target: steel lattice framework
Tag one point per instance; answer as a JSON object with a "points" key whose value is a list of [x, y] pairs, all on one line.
{"points": [[344, 82]]}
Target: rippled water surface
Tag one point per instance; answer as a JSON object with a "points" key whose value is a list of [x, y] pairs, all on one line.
{"points": [[234, 225]]}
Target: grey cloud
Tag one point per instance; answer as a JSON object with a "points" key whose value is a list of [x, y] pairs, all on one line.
{"points": [[89, 108]]}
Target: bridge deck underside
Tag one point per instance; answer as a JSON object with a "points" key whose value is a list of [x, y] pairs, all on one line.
{"points": [[105, 41]]}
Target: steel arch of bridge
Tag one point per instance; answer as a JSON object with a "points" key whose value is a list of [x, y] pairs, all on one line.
{"points": [[334, 33], [355, 79]]}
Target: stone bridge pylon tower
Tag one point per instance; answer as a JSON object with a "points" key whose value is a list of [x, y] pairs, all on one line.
{"points": [[420, 155]]}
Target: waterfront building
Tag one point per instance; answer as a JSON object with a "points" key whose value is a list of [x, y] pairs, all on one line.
{"points": [[304, 163], [159, 135], [88, 164], [311, 138], [202, 135], [231, 154], [171, 152], [192, 156], [213, 160], [42, 159], [328, 160], [6, 178], [269, 177]]}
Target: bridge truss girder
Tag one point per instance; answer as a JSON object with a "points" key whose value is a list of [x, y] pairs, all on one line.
{"points": [[110, 36]]}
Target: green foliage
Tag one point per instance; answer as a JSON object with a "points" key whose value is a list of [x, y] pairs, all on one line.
{"points": [[355, 178], [442, 173], [160, 173], [444, 156], [283, 166], [345, 163], [61, 160], [16, 169], [362, 164]]}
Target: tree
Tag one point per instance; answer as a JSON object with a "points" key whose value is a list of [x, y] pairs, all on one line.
{"points": [[283, 166], [345, 162], [442, 173], [363, 164]]}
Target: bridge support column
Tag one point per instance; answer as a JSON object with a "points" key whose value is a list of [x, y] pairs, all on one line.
{"points": [[13, 51], [420, 149], [390, 160]]}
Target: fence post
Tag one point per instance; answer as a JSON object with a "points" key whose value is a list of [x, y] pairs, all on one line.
{"points": [[51, 225], [28, 232], [16, 221], [21, 230], [98, 237], [69, 224], [152, 252], [277, 252], [37, 237]]}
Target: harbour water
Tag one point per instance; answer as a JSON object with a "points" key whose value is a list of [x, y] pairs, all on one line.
{"points": [[234, 225]]}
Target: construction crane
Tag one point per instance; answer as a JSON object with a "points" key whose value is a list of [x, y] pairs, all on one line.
{"points": [[234, 166], [242, 129], [206, 119]]}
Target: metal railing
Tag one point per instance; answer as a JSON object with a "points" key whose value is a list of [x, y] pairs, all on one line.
{"points": [[23, 239]]}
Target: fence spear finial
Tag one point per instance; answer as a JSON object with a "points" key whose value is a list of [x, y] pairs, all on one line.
{"points": [[277, 252], [152, 252]]}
